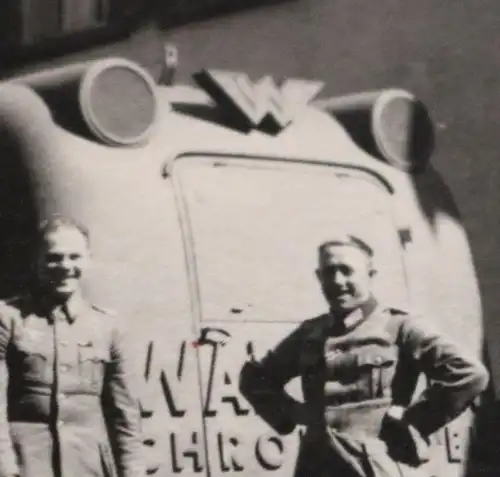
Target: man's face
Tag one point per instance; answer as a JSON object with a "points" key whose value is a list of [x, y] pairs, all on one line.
{"points": [[63, 258], [345, 273]]}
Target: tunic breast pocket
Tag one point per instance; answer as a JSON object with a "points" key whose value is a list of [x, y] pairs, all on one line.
{"points": [[92, 363], [376, 366], [36, 359]]}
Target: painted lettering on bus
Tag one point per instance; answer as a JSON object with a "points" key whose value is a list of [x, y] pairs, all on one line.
{"points": [[229, 452], [221, 384]]}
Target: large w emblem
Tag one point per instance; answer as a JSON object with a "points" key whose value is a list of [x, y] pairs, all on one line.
{"points": [[263, 105]]}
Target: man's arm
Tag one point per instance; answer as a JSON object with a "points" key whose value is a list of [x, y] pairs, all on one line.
{"points": [[8, 461], [121, 408], [456, 378], [262, 383]]}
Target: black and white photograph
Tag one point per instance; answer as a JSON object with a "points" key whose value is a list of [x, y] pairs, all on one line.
{"points": [[249, 238]]}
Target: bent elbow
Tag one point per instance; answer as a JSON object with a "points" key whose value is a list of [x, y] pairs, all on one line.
{"points": [[482, 378], [475, 384]]}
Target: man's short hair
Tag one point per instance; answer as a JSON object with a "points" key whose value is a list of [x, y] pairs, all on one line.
{"points": [[346, 240], [58, 221]]}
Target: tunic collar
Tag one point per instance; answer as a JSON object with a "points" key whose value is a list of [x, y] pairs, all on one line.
{"points": [[68, 311], [355, 317]]}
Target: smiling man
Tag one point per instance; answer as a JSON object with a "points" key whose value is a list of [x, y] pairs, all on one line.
{"points": [[67, 405], [63, 258], [359, 365]]}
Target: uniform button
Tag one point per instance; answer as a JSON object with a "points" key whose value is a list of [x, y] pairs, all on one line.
{"points": [[62, 396], [65, 367], [60, 423], [378, 360], [63, 343]]}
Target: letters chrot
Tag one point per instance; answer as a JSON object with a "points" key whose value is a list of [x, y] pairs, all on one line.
{"points": [[262, 105]]}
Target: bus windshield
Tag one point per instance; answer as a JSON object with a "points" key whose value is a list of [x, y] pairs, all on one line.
{"points": [[255, 226]]}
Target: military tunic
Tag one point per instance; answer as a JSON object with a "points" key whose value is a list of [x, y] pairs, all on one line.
{"points": [[67, 406], [354, 373]]}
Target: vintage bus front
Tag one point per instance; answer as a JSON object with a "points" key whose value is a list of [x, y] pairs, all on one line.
{"points": [[206, 206]]}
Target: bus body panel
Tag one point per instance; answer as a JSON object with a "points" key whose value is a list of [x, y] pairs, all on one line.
{"points": [[208, 230]]}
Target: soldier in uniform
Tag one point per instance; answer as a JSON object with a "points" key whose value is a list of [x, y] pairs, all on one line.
{"points": [[67, 404], [359, 365]]}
